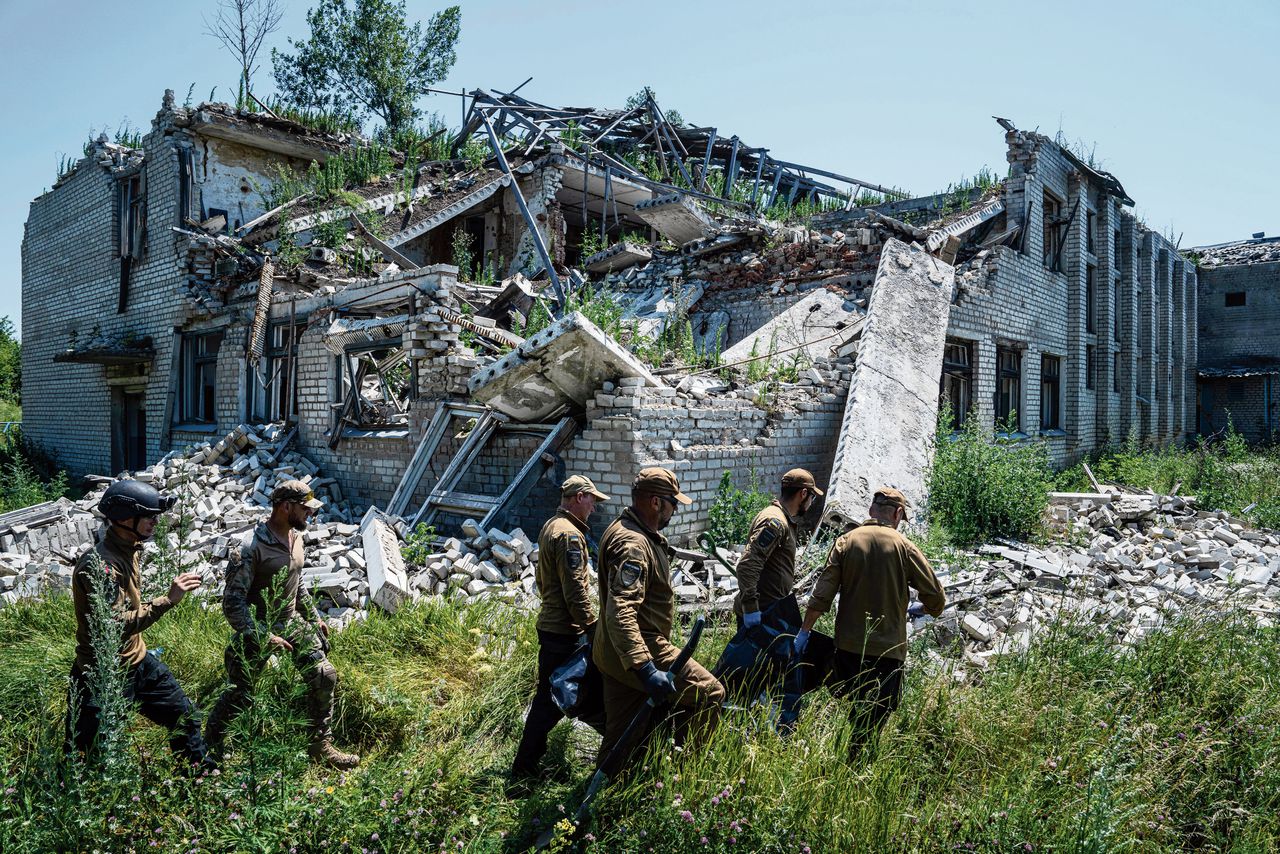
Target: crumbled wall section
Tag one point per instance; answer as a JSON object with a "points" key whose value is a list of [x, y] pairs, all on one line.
{"points": [[887, 432], [631, 427]]}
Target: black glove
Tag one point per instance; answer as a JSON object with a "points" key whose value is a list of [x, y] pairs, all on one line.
{"points": [[658, 684]]}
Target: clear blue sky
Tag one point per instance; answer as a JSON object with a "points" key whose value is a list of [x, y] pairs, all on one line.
{"points": [[1181, 99]]}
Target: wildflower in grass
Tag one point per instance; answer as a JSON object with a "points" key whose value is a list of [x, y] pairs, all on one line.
{"points": [[687, 816]]}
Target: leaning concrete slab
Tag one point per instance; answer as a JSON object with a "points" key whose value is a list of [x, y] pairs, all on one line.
{"points": [[677, 218], [890, 416], [388, 582], [652, 309], [564, 364], [813, 322]]}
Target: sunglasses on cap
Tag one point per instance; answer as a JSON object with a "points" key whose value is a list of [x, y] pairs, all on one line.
{"points": [[670, 499]]}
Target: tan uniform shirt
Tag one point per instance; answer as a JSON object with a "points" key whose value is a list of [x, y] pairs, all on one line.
{"points": [[871, 568], [119, 558], [637, 605], [250, 599], [563, 582], [767, 570]]}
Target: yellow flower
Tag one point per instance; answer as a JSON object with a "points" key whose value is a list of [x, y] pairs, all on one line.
{"points": [[328, 790]]}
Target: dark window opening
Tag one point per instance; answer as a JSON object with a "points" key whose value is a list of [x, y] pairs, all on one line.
{"points": [[1235, 391], [1008, 387], [1052, 230], [957, 380], [198, 394], [132, 218], [1235, 299], [1115, 251], [1090, 366], [274, 393], [1090, 221], [1050, 386], [1115, 373], [1090, 301], [1116, 311]]}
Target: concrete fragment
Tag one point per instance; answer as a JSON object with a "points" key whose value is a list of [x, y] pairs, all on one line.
{"points": [[820, 322], [677, 218], [384, 565]]}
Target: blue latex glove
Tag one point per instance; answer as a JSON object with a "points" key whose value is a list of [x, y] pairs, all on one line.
{"points": [[801, 641], [751, 620], [658, 684], [916, 610]]}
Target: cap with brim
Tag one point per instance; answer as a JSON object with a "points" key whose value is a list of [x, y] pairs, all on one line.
{"points": [[801, 477], [660, 481], [578, 484], [892, 497], [295, 492]]}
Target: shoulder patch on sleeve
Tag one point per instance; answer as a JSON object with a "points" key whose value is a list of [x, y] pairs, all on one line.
{"points": [[769, 533], [573, 555], [630, 573]]}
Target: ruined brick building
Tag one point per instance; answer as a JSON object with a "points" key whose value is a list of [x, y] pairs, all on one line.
{"points": [[163, 304], [1240, 337]]}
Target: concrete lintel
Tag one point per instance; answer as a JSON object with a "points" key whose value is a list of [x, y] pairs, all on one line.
{"points": [[677, 218], [563, 364]]}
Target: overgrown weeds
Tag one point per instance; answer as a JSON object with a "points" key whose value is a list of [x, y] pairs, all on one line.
{"points": [[729, 519], [983, 485]]}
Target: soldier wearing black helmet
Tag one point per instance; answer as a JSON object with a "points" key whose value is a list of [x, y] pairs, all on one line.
{"points": [[131, 508]]}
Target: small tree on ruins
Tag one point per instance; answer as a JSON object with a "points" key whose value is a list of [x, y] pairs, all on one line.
{"points": [[242, 26], [363, 58]]}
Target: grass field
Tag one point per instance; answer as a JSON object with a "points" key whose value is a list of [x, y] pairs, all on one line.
{"points": [[1071, 746]]}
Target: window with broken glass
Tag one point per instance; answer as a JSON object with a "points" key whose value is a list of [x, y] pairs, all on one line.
{"points": [[1052, 230], [198, 392], [1050, 393], [957, 380], [132, 218], [273, 395], [373, 387], [1008, 387], [1090, 298]]}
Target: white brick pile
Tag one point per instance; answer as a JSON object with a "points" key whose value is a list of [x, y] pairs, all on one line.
{"points": [[1129, 565]]}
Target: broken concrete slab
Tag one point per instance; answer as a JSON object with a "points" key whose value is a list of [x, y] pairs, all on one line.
{"points": [[384, 565], [710, 331], [813, 319], [560, 366], [891, 412], [652, 309], [619, 256], [677, 218]]}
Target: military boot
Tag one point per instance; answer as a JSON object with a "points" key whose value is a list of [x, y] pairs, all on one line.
{"points": [[323, 751]]}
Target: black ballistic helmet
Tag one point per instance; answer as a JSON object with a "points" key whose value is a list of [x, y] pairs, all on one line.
{"points": [[127, 499]]}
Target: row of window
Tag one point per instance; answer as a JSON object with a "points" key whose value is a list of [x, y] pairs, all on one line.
{"points": [[956, 385], [269, 395]]}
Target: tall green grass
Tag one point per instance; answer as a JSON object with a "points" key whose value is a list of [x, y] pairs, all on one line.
{"points": [[1071, 746]]}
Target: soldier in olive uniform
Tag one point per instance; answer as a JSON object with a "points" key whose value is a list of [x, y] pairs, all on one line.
{"points": [[566, 620], [871, 568], [767, 571], [637, 611], [268, 619], [131, 508]]}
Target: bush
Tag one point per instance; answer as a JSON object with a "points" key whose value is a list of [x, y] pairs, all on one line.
{"points": [[418, 545], [729, 519], [982, 485], [27, 474]]}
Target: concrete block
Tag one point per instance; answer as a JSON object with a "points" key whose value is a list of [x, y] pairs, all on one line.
{"points": [[617, 257], [388, 582]]}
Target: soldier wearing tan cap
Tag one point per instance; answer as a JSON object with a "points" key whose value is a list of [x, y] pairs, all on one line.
{"points": [[566, 619], [633, 648], [766, 572], [271, 611], [871, 568]]}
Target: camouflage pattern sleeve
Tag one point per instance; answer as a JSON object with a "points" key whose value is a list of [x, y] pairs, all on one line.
{"points": [[235, 597], [306, 604]]}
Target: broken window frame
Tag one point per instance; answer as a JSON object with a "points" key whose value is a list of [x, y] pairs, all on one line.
{"points": [[1008, 393], [131, 210], [1050, 393], [1090, 298], [955, 387], [272, 387], [198, 378], [351, 370], [1051, 231]]}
